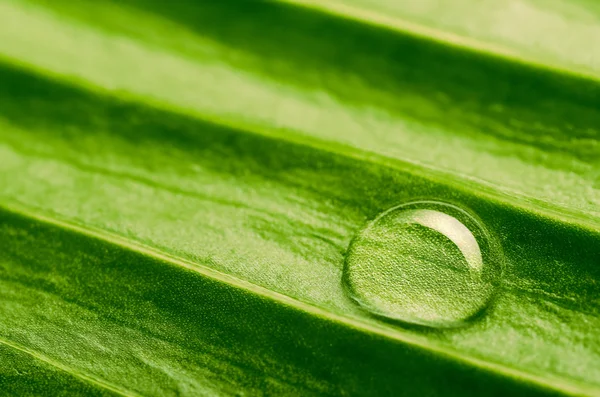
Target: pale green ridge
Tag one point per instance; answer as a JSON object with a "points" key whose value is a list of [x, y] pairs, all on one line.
{"points": [[223, 89], [558, 34], [61, 367]]}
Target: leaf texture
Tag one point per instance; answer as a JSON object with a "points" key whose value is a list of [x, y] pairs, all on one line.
{"points": [[180, 183]]}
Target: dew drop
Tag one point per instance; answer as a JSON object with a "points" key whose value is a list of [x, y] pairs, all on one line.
{"points": [[426, 262]]}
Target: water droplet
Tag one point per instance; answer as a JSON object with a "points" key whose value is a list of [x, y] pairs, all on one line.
{"points": [[425, 262]]}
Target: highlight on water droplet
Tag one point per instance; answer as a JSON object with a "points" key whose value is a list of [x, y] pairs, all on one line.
{"points": [[424, 262]]}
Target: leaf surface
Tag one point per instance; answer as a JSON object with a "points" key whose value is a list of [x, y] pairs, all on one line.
{"points": [[181, 182]]}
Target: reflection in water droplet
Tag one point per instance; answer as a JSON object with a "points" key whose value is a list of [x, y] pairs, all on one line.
{"points": [[425, 262]]}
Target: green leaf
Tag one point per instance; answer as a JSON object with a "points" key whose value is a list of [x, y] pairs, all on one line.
{"points": [[180, 183]]}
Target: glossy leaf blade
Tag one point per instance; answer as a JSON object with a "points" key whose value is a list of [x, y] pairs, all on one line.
{"points": [[262, 164]]}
